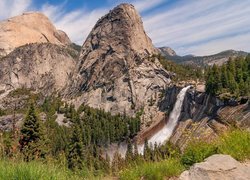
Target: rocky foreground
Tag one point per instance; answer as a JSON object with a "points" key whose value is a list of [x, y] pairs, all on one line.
{"points": [[218, 167]]}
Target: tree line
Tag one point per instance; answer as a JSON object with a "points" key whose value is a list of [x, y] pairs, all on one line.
{"points": [[232, 77], [81, 144], [182, 72], [80, 147]]}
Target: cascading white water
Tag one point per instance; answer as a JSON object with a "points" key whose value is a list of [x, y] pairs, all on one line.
{"points": [[164, 134]]}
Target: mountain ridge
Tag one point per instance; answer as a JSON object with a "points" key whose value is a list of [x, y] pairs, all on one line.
{"points": [[218, 58]]}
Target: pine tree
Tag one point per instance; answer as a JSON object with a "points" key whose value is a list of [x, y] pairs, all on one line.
{"points": [[247, 86], [224, 76], [136, 153], [76, 151], [33, 141], [248, 63], [129, 152], [233, 87], [108, 163], [156, 152], [231, 66], [147, 151], [242, 89], [239, 69], [210, 82], [217, 81], [117, 162]]}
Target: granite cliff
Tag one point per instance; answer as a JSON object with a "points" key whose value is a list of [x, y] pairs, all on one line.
{"points": [[39, 67], [30, 27], [205, 116], [116, 71]]}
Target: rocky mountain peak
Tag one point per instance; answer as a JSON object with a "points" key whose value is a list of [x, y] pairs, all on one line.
{"points": [[30, 27], [167, 51], [117, 70], [127, 28]]}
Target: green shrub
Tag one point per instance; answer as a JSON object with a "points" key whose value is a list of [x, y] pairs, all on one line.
{"points": [[2, 112], [154, 170], [33, 170], [235, 143], [196, 152], [20, 92]]}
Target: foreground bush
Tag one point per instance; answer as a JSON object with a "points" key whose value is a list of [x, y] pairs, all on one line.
{"points": [[154, 170], [196, 152], [33, 170], [236, 144]]}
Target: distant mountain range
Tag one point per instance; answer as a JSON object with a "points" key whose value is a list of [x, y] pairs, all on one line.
{"points": [[218, 59]]}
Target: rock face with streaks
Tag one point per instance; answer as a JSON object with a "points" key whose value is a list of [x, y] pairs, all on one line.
{"points": [[204, 116], [117, 71], [40, 67], [30, 27]]}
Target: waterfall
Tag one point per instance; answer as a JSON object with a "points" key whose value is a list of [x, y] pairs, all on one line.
{"points": [[164, 134]]}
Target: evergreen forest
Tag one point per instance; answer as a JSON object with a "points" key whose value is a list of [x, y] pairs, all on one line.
{"points": [[231, 78]]}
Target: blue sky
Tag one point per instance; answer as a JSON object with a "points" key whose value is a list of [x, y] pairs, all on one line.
{"points": [[199, 27]]}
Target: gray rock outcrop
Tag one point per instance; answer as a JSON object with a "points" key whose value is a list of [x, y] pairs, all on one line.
{"points": [[39, 67], [167, 51], [117, 71], [7, 122], [218, 167]]}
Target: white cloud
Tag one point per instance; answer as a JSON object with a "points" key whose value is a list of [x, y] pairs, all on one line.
{"points": [[238, 42], [146, 4], [78, 24], [198, 22], [19, 6], [140, 5], [9, 8]]}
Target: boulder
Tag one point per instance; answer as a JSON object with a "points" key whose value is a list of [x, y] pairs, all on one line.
{"points": [[218, 167]]}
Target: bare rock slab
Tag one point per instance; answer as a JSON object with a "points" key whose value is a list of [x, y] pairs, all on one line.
{"points": [[218, 167]]}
